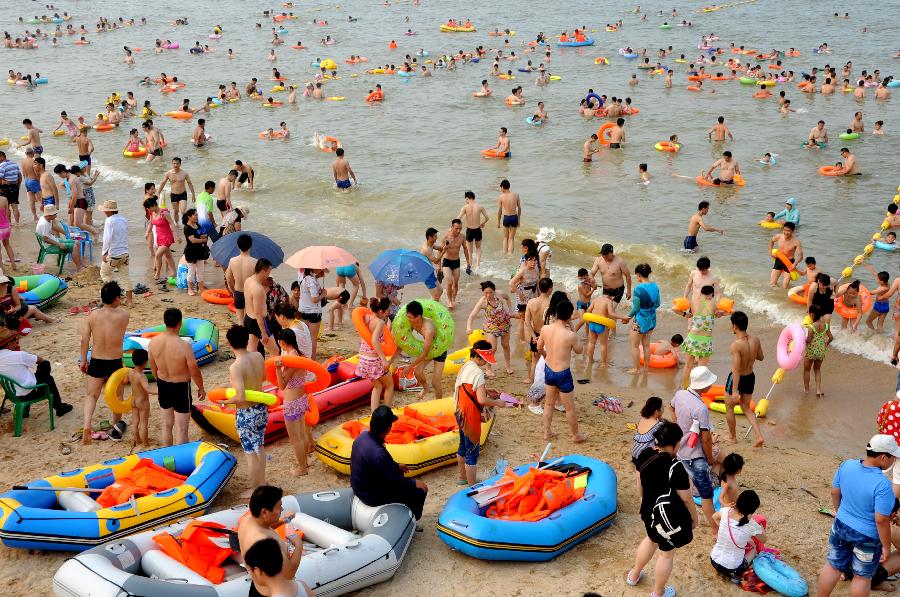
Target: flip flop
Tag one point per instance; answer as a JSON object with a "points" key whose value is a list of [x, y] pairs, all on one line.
{"points": [[104, 425], [99, 435], [629, 581], [117, 431], [76, 437]]}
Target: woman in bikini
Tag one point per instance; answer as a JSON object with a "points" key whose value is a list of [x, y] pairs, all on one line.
{"points": [[496, 307], [291, 382]]}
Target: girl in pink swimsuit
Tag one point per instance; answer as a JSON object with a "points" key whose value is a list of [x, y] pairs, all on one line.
{"points": [[161, 225], [5, 230], [291, 382]]}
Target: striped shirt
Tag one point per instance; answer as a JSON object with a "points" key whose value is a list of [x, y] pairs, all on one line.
{"points": [[9, 172]]}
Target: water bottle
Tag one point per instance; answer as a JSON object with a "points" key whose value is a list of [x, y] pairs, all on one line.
{"points": [[693, 434]]}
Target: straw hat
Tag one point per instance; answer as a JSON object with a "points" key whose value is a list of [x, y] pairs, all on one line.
{"points": [[546, 235], [50, 210], [245, 211], [109, 205]]}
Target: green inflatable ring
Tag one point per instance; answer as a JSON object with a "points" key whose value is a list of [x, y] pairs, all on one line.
{"points": [[443, 324], [848, 136], [665, 26], [42, 290], [749, 81]]}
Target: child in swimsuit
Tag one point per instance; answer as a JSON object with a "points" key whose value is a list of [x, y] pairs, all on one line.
{"points": [[818, 337], [881, 305], [296, 402], [732, 466]]}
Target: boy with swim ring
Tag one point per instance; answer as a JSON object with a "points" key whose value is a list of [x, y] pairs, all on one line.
{"points": [[603, 307], [140, 399]]}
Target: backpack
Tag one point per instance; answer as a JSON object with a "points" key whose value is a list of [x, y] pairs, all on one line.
{"points": [[661, 519]]}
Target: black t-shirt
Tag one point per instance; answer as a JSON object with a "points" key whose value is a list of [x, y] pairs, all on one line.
{"points": [[654, 470]]}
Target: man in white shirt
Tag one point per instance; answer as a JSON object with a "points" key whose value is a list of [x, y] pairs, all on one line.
{"points": [[48, 229], [115, 249], [27, 369]]}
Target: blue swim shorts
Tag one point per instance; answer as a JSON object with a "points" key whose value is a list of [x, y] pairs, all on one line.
{"points": [[596, 328], [562, 380], [343, 184]]}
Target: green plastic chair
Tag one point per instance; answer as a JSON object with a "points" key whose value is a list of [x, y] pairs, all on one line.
{"points": [[21, 405], [50, 250]]}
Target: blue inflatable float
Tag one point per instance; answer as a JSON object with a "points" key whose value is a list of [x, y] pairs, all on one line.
{"points": [[576, 44], [463, 526], [779, 576]]}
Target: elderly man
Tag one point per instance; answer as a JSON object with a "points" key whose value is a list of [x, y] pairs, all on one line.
{"points": [[614, 274], [374, 476], [692, 415], [27, 369], [47, 226], [115, 249]]}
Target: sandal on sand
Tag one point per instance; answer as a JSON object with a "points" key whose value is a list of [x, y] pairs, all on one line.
{"points": [[117, 431], [104, 425], [100, 435], [76, 437], [462, 483], [669, 592], [629, 581]]}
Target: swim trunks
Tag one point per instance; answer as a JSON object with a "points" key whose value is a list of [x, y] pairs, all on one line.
{"points": [[345, 271], [85, 158], [103, 368], [311, 317], [451, 264], [81, 203], [562, 380], [157, 152], [175, 395], [511, 221], [253, 327], [251, 427], [615, 146], [48, 201], [718, 181], [746, 384], [244, 177], [881, 306], [532, 345], [581, 306], [473, 235], [38, 149], [596, 328], [778, 265], [587, 160], [440, 358], [431, 282], [690, 243], [32, 185], [178, 196], [221, 205], [239, 302], [615, 293], [343, 184]]}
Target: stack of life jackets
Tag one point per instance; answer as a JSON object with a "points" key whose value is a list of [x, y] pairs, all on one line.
{"points": [[537, 494], [145, 478], [409, 427], [196, 550]]}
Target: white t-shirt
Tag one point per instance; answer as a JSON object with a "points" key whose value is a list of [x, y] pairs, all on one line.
{"points": [[309, 289], [729, 548], [471, 374], [45, 228], [18, 365], [301, 333]]}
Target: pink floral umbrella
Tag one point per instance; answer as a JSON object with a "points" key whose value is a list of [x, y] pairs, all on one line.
{"points": [[320, 257]]}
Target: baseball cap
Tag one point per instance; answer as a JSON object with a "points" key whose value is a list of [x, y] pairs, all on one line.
{"points": [[382, 419], [884, 444]]}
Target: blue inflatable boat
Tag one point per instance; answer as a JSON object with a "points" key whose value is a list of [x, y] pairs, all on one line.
{"points": [[35, 516], [576, 44], [203, 335], [463, 526]]}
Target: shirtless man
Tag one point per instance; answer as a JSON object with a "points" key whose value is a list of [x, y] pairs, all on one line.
{"points": [[509, 214], [429, 248], [32, 182], [695, 224], [745, 351], [245, 175], [514, 100], [233, 92], [857, 125], [199, 136], [239, 269], [48, 189], [699, 278], [265, 517], [247, 372], [103, 334], [591, 146], [155, 141], [790, 247], [818, 134], [503, 146], [728, 169], [250, 89], [614, 274], [475, 217], [850, 167], [85, 149], [174, 365], [719, 131], [558, 341], [34, 137], [617, 135], [256, 310], [612, 109], [425, 328], [452, 242], [535, 309], [223, 192], [827, 87], [178, 195], [341, 170]]}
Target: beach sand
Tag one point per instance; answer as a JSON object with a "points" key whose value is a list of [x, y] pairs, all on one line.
{"points": [[781, 472]]}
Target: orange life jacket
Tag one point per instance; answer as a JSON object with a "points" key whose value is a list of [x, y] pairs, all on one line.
{"points": [[145, 478], [196, 550], [409, 427], [537, 494]]}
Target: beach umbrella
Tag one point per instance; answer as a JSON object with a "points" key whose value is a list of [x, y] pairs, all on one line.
{"points": [[263, 248], [320, 257], [401, 267]]}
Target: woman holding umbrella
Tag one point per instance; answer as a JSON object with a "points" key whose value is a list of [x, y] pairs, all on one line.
{"points": [[373, 363], [311, 296], [496, 307]]}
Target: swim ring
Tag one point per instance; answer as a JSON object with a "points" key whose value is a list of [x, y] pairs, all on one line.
{"points": [[791, 346], [443, 324]]}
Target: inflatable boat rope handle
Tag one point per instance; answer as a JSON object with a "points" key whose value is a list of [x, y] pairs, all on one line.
{"points": [[331, 550], [420, 440], [331, 444], [461, 525], [590, 497]]}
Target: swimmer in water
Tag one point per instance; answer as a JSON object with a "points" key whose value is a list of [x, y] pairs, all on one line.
{"points": [[540, 115], [643, 174]]}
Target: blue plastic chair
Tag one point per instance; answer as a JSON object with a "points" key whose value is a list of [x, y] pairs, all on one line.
{"points": [[82, 237]]}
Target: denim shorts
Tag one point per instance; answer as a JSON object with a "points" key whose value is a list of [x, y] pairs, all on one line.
{"points": [[467, 449], [698, 469], [849, 549]]}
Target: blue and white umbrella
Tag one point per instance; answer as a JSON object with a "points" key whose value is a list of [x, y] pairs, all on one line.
{"points": [[401, 267]]}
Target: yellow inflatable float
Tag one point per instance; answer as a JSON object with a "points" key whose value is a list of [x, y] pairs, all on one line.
{"points": [[456, 359]]}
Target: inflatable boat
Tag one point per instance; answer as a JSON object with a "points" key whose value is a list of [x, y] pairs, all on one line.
{"points": [[332, 401], [420, 456], [576, 44], [463, 525], [356, 548], [42, 291], [201, 333], [37, 517]]}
